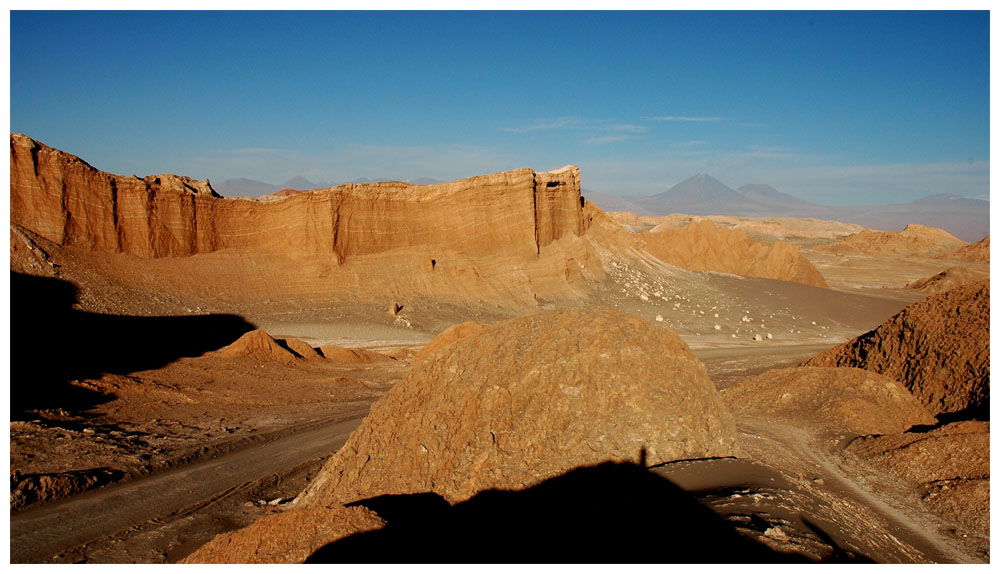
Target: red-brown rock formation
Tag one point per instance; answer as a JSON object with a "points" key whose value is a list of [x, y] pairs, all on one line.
{"points": [[529, 399], [938, 347], [913, 240], [703, 246], [65, 200], [838, 399]]}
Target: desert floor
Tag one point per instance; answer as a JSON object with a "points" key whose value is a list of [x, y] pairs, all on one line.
{"points": [[146, 466]]}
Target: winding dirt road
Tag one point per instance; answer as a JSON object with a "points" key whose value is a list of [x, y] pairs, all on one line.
{"points": [[38, 535]]}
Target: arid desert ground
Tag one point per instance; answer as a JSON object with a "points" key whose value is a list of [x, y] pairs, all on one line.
{"points": [[488, 370]]}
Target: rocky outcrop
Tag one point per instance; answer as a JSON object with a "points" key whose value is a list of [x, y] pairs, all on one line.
{"points": [[950, 467], [703, 246], [529, 399], [914, 239], [447, 337], [65, 200], [938, 347], [835, 399], [978, 251], [946, 280]]}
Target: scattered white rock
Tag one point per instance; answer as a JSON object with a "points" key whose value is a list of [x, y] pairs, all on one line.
{"points": [[769, 336], [717, 327], [757, 337], [659, 318]]}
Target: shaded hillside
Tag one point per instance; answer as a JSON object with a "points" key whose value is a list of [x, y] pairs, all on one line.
{"points": [[58, 345]]}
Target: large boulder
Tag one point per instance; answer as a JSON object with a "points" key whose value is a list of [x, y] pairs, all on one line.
{"points": [[529, 399], [836, 399], [938, 347]]}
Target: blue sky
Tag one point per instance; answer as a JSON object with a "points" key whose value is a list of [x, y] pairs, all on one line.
{"points": [[833, 107]]}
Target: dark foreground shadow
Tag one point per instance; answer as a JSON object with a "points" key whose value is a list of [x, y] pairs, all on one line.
{"points": [[53, 344], [606, 513]]}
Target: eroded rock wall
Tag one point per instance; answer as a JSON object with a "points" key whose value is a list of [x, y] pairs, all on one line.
{"points": [[69, 202]]}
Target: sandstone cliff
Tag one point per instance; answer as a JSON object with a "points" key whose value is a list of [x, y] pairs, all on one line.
{"points": [[912, 240], [938, 347], [67, 201], [703, 246]]}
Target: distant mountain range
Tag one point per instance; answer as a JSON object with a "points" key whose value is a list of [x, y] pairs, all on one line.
{"points": [[966, 218], [242, 187]]}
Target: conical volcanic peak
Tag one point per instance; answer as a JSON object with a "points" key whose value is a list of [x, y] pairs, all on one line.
{"points": [[702, 187]]}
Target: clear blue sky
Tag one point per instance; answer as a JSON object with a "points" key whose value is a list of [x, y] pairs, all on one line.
{"points": [[840, 107]]}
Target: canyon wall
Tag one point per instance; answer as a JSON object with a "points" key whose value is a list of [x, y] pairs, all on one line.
{"points": [[67, 201]]}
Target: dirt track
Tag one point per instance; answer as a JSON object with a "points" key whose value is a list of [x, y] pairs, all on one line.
{"points": [[41, 534]]}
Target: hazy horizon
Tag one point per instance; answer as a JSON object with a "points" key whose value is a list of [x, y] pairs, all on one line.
{"points": [[830, 107]]}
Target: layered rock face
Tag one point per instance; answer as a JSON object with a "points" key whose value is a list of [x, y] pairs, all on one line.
{"points": [[529, 399], [938, 347], [914, 239], [703, 246], [65, 200], [838, 399]]}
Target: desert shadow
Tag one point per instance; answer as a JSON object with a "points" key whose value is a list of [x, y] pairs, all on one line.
{"points": [[609, 513], [52, 344]]}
